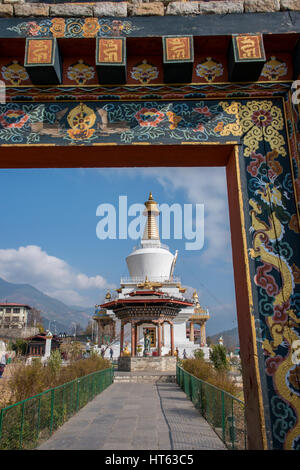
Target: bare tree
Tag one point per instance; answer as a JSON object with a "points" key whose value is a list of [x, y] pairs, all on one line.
{"points": [[35, 319]]}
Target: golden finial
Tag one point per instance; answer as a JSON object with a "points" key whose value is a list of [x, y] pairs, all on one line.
{"points": [[196, 299], [108, 296], [151, 205]]}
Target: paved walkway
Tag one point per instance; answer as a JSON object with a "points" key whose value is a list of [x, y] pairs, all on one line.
{"points": [[132, 416]]}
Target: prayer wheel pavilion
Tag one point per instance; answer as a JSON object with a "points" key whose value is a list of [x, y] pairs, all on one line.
{"points": [[199, 317]]}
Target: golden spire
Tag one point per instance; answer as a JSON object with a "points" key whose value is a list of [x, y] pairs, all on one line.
{"points": [[196, 299], [151, 229]]}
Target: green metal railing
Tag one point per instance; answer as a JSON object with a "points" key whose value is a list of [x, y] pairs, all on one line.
{"points": [[224, 412], [25, 424]]}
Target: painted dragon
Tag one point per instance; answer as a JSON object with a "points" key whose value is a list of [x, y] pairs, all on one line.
{"points": [[284, 332]]}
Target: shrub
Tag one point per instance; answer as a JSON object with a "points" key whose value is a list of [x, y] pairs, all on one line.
{"points": [[199, 354], [20, 346], [30, 380], [206, 371], [27, 381], [55, 360], [218, 357]]}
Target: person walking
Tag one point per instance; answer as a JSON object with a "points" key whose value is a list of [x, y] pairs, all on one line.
{"points": [[184, 354], [111, 352]]}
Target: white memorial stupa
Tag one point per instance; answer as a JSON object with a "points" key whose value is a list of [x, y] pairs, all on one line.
{"points": [[151, 275]]}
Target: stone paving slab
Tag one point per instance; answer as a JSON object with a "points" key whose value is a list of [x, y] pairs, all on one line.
{"points": [[140, 416]]}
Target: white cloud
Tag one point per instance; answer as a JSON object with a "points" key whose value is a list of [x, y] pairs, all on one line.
{"points": [[52, 275], [204, 185]]}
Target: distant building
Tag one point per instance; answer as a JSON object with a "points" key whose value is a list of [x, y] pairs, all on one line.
{"points": [[37, 344], [13, 315]]}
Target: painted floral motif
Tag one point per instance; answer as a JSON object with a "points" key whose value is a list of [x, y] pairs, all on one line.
{"points": [[127, 121], [91, 27], [149, 117], [80, 72], [14, 73], [28, 28], [33, 28], [261, 118], [258, 121], [116, 27], [81, 27], [144, 72], [57, 27], [209, 69], [274, 69], [13, 118], [204, 110], [122, 122]]}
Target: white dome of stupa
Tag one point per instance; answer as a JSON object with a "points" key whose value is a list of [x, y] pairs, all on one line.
{"points": [[151, 259]]}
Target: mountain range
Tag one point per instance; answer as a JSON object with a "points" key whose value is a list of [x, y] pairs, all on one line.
{"points": [[230, 338], [51, 308], [64, 315]]}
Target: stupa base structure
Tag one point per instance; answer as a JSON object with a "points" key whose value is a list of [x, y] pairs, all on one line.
{"points": [[190, 349], [138, 364]]}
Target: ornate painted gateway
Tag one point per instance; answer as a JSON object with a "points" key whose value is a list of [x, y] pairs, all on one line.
{"points": [[96, 90]]}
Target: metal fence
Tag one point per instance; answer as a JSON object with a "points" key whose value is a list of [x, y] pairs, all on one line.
{"points": [[224, 412], [25, 424]]}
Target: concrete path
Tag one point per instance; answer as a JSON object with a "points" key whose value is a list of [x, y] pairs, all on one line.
{"points": [[132, 416]]}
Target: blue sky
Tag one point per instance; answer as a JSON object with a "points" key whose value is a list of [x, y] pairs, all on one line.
{"points": [[48, 232]]}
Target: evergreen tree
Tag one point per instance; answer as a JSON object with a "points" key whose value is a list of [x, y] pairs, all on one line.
{"points": [[218, 357]]}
